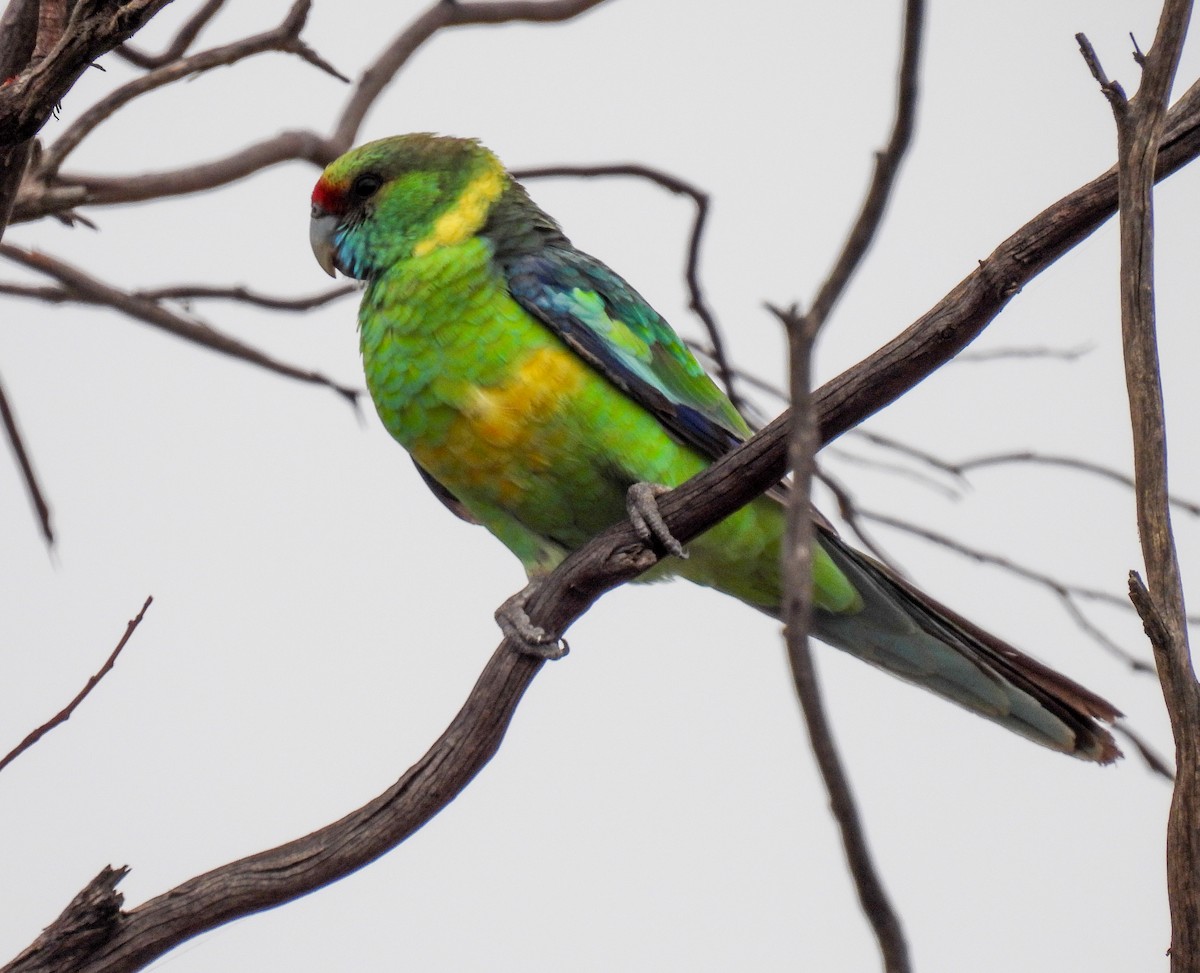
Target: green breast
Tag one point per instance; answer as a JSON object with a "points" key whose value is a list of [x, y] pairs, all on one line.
{"points": [[496, 407]]}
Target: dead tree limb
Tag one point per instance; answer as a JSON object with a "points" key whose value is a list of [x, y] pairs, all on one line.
{"points": [[1141, 121]]}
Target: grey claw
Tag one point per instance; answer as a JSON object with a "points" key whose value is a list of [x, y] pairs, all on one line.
{"points": [[528, 638], [641, 502]]}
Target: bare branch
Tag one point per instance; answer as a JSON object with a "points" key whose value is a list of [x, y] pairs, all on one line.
{"points": [[998, 560], [887, 168], [191, 292], [696, 300], [48, 294], [907, 449], [1067, 462], [802, 331], [93, 30], [179, 45], [79, 189], [961, 468], [852, 514], [1155, 762], [445, 13], [186, 293], [1140, 123], [896, 469], [876, 905], [963, 313], [285, 37], [32, 487], [52, 18], [18, 36], [85, 924], [89, 290], [999, 354], [848, 511], [65, 713], [1099, 636], [797, 617]]}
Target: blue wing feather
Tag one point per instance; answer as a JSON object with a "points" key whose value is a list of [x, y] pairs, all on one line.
{"points": [[612, 327]]}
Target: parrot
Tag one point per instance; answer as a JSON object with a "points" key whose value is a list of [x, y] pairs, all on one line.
{"points": [[541, 396]]}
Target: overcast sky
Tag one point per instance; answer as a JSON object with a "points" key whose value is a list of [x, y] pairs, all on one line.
{"points": [[318, 617]]}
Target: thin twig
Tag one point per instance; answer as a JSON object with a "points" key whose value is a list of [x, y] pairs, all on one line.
{"points": [[442, 14], [93, 30], [802, 331], [191, 292], [65, 713], [186, 293], [1067, 462], [1099, 636], [1152, 758], [1024, 354], [997, 560], [73, 190], [887, 168], [179, 45], [907, 449], [896, 469], [960, 468], [93, 291], [285, 37], [36, 496], [848, 511]]}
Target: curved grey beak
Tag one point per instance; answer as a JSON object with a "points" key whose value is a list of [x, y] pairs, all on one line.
{"points": [[320, 236]]}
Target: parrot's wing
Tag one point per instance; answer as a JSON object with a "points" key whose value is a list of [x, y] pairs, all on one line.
{"points": [[448, 499], [611, 327]]}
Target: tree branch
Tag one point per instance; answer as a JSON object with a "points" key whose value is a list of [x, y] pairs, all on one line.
{"points": [[802, 331], [445, 13], [1013, 567], [1140, 125], [65, 713], [78, 189], [243, 295], [89, 290], [93, 30], [179, 45], [36, 496], [285, 37], [18, 37]]}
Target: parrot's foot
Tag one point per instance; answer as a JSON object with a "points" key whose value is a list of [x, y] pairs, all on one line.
{"points": [[529, 639], [642, 504]]}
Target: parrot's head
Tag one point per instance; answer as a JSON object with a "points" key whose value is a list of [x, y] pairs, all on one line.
{"points": [[401, 197]]}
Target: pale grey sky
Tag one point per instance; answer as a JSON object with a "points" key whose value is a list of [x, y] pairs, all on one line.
{"points": [[318, 618]]}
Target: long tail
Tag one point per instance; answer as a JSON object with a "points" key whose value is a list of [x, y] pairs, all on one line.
{"points": [[906, 632]]}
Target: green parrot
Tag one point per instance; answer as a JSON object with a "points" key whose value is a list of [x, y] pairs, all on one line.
{"points": [[542, 397]]}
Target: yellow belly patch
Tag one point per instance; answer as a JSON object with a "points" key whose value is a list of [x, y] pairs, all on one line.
{"points": [[503, 433]]}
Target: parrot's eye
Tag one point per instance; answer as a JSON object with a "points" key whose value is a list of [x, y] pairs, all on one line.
{"points": [[364, 186]]}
